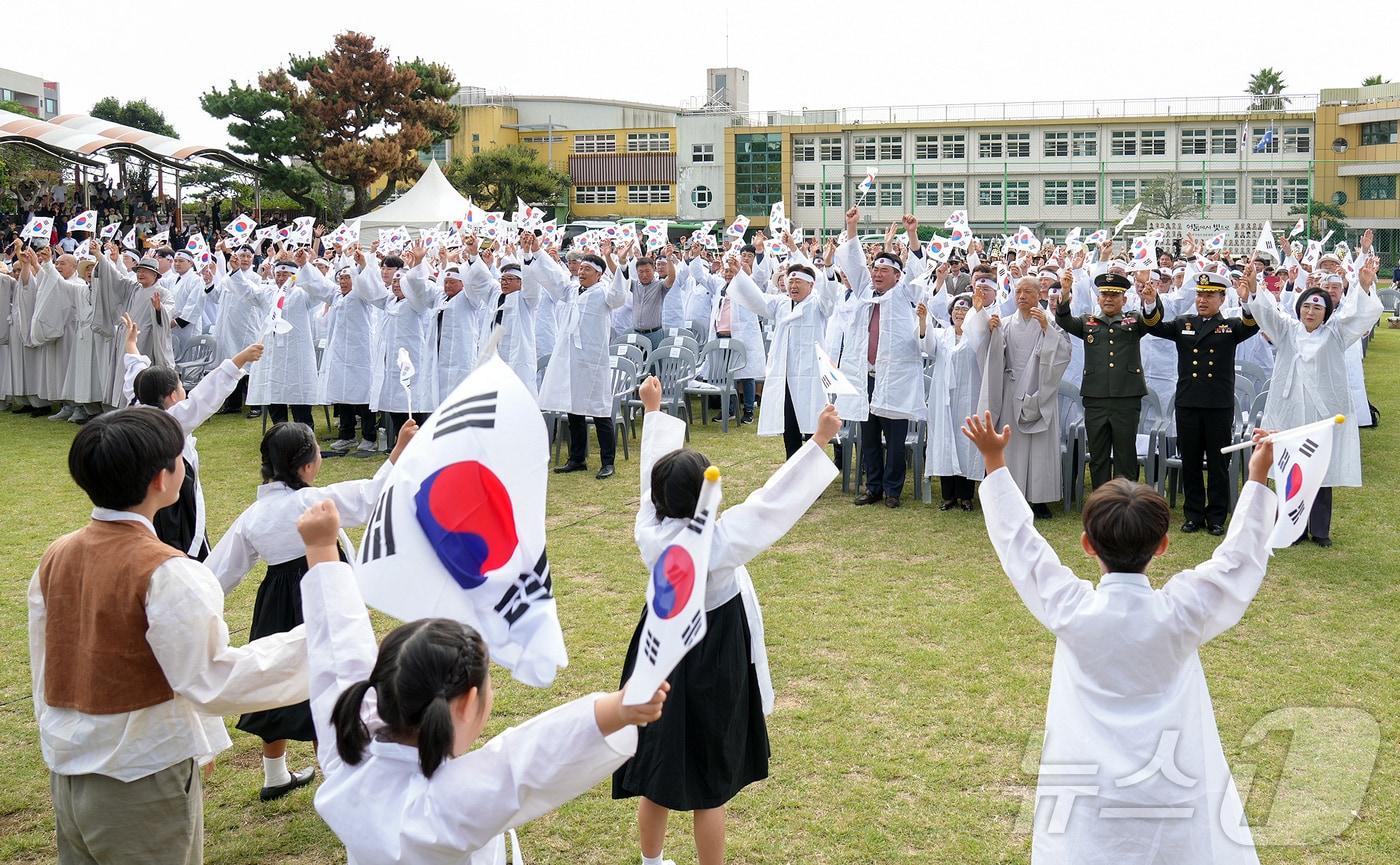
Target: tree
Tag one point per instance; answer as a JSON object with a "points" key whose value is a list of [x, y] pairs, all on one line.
{"points": [[1319, 210], [138, 113], [495, 178], [1265, 86], [347, 117], [1374, 79], [1165, 198]]}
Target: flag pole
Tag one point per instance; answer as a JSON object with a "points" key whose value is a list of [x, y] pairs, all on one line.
{"points": [[1308, 427]]}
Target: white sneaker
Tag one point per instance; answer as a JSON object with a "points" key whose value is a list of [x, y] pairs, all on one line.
{"points": [[64, 414], [367, 447], [341, 446]]}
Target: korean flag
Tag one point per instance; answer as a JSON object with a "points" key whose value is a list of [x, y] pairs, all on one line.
{"points": [[458, 531], [676, 598], [1302, 456]]}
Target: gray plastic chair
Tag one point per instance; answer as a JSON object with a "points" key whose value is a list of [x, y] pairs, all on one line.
{"points": [[720, 359]]}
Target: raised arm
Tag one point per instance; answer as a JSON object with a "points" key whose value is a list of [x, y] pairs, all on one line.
{"points": [[752, 526]]}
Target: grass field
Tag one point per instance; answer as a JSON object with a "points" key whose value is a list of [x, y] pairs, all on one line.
{"points": [[911, 682]]}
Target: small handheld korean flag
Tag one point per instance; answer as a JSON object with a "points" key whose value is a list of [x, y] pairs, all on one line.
{"points": [[1301, 458], [84, 221], [1127, 220], [834, 382], [1097, 237], [939, 247], [38, 228], [676, 598], [867, 184], [737, 228], [1298, 229], [277, 323], [956, 218], [1216, 243], [110, 230], [406, 376], [1267, 244], [458, 531], [301, 232], [240, 231], [158, 239], [129, 240], [1024, 240], [1313, 254], [1073, 240]]}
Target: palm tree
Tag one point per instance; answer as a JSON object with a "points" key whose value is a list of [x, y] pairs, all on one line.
{"points": [[1265, 86], [1374, 79]]}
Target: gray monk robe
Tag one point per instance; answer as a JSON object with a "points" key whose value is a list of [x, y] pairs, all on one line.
{"points": [[1020, 386], [117, 291]]}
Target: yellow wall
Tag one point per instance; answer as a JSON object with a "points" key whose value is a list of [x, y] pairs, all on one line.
{"points": [[1328, 181], [565, 148], [490, 124]]}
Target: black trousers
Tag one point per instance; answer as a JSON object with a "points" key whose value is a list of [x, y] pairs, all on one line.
{"points": [[882, 461], [1201, 433], [578, 439], [300, 414], [1320, 517], [956, 488], [793, 437], [396, 422], [348, 414], [1111, 425], [235, 399]]}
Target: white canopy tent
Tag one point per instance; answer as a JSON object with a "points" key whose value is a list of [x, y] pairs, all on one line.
{"points": [[432, 201]]}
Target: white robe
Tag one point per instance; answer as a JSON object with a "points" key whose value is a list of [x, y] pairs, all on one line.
{"points": [[189, 307], [286, 374], [578, 379], [952, 396], [744, 328], [458, 330], [242, 312], [1310, 378], [408, 324], [1129, 723], [899, 367], [517, 310], [347, 364], [84, 382], [10, 357]]}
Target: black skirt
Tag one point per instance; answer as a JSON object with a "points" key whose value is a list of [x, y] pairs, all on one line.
{"points": [[277, 610], [711, 741], [175, 524]]}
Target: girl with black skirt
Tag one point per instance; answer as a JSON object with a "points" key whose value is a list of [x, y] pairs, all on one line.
{"points": [[712, 740], [291, 459]]}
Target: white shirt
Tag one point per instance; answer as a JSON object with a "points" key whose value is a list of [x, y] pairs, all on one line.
{"points": [[188, 635], [384, 810]]}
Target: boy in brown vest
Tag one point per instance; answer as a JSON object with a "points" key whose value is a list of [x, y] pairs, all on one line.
{"points": [[130, 657]]}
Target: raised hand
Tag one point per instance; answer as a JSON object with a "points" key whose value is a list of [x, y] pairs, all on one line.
{"points": [[992, 445], [828, 425]]}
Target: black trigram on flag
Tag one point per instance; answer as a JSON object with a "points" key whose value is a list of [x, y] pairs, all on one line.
{"points": [[1308, 447], [531, 587], [692, 629], [697, 522], [475, 411], [379, 531], [650, 645], [1297, 513]]}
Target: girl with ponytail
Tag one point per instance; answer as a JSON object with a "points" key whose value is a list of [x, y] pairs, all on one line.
{"points": [[402, 780], [291, 460]]}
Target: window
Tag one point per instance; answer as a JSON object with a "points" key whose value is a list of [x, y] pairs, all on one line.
{"points": [[832, 196], [1224, 142], [1085, 192], [1263, 190], [656, 193], [592, 143], [1376, 187], [1152, 142], [758, 180], [1124, 143], [1121, 192], [702, 197], [6, 94], [1056, 193], [1295, 190], [1056, 144], [925, 146], [989, 193], [1018, 145], [891, 193], [1194, 189], [989, 145], [925, 194], [863, 148], [1222, 191], [595, 195], [50, 106], [806, 195], [831, 149], [1297, 139], [955, 146], [954, 193], [1257, 143], [892, 147], [648, 142], [702, 153], [1381, 132], [804, 149], [1086, 143], [437, 151], [1194, 142]]}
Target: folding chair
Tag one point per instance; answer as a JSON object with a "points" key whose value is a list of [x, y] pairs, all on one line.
{"points": [[721, 358]]}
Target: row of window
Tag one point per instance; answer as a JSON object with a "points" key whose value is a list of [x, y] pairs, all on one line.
{"points": [[1065, 193], [637, 142], [1380, 132], [1055, 144], [1376, 187], [636, 194]]}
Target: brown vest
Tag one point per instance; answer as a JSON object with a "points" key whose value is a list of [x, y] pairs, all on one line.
{"points": [[94, 583]]}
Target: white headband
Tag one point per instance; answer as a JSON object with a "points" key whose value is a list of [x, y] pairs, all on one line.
{"points": [[797, 274], [593, 264], [1314, 300], [887, 262]]}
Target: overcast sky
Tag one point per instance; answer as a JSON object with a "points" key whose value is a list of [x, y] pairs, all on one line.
{"points": [[171, 52]]}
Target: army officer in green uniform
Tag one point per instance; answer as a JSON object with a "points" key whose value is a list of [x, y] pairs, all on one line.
{"points": [[1113, 385]]}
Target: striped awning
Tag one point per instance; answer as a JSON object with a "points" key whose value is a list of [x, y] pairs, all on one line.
{"points": [[611, 168], [70, 145], [161, 147]]}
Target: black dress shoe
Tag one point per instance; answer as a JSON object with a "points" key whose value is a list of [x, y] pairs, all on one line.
{"points": [[299, 779], [605, 472], [1041, 511], [566, 468], [1323, 542], [1302, 539], [947, 505], [868, 498], [966, 504], [891, 501], [253, 413], [1217, 530], [1190, 526]]}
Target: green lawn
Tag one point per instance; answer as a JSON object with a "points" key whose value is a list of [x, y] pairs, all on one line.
{"points": [[911, 682]]}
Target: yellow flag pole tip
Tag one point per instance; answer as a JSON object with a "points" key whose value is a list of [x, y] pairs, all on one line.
{"points": [[1341, 418], [712, 473]]}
